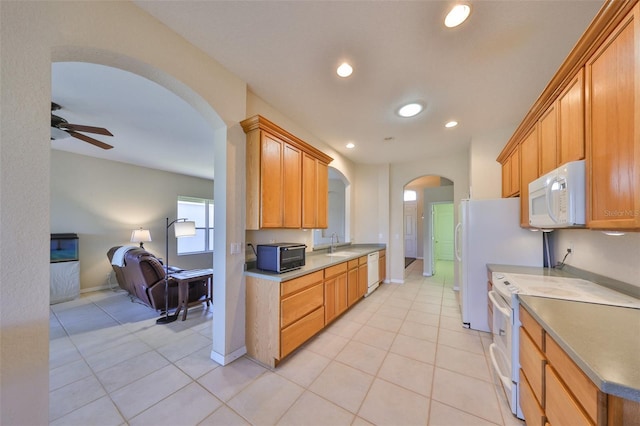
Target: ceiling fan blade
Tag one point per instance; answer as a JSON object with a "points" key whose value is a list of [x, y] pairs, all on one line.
{"points": [[90, 140], [88, 129]]}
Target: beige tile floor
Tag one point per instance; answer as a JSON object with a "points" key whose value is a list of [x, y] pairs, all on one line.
{"points": [[399, 357]]}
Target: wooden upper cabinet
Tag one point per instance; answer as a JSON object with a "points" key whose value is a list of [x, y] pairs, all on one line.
{"points": [[280, 171], [292, 183], [315, 192], [282, 191], [511, 175], [529, 171], [570, 107], [271, 175], [548, 134], [613, 128]]}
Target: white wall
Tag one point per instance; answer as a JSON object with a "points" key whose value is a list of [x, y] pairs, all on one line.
{"points": [[485, 173], [593, 251], [32, 35], [372, 204], [103, 201], [453, 167]]}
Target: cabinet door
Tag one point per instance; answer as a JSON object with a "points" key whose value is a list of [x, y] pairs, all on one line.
{"points": [[330, 311], [511, 174], [292, 184], [528, 172], [560, 406], [571, 121], [612, 90], [353, 290], [341, 293], [362, 280], [322, 195], [309, 191], [382, 266], [271, 190], [548, 133]]}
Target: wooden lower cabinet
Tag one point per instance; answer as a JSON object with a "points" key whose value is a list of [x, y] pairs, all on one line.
{"points": [[530, 405], [382, 265], [363, 278], [352, 282], [281, 316], [560, 406], [554, 390], [335, 291]]}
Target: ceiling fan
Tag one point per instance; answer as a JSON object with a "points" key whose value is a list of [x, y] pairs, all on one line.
{"points": [[60, 125]]}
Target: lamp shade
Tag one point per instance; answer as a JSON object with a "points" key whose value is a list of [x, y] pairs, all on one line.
{"points": [[185, 229], [140, 236]]}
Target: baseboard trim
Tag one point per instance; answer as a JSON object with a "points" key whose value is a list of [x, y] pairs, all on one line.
{"points": [[425, 274], [229, 358], [396, 281], [98, 288]]}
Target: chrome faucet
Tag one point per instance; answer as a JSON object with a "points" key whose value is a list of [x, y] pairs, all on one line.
{"points": [[333, 247]]}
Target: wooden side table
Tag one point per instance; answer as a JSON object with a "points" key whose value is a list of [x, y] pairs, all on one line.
{"points": [[184, 278]]}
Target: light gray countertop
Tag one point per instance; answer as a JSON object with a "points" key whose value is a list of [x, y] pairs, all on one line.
{"points": [[604, 341], [316, 261]]}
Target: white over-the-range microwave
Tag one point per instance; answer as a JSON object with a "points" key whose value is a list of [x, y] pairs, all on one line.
{"points": [[557, 199]]}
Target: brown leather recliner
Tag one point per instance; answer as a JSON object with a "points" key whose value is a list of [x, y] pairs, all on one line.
{"points": [[143, 276]]}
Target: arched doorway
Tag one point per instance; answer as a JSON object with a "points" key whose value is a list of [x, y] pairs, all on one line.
{"points": [[432, 208]]}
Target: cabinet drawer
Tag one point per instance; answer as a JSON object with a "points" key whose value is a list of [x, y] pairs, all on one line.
{"points": [[300, 304], [533, 412], [298, 332], [353, 264], [532, 362], [533, 328], [560, 406], [335, 270], [583, 389], [296, 284], [363, 260]]}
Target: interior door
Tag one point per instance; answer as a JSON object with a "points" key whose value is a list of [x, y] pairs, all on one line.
{"points": [[410, 229], [443, 231]]}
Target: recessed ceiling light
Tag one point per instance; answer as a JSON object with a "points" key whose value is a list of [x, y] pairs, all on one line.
{"points": [[409, 110], [457, 15], [344, 70], [451, 123], [351, 145]]}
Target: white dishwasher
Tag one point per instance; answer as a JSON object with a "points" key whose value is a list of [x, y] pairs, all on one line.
{"points": [[372, 272]]}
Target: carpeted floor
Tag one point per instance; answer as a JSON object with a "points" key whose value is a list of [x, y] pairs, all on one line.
{"points": [[408, 261]]}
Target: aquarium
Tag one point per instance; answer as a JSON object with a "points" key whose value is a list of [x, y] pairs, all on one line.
{"points": [[64, 248]]}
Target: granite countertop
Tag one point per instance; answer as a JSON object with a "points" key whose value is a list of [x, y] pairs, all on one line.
{"points": [[604, 341], [316, 261]]}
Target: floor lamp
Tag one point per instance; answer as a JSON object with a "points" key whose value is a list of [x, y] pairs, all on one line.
{"points": [[182, 228]]}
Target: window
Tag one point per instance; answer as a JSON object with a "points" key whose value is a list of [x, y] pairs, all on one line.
{"points": [[410, 195], [199, 210]]}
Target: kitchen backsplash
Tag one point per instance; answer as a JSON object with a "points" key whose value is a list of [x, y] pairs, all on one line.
{"points": [[616, 257]]}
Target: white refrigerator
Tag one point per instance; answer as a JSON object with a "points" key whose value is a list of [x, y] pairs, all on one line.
{"points": [[489, 232]]}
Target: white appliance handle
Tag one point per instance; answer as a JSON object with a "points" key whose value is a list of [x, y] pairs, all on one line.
{"points": [[505, 311], [456, 246], [548, 197], [506, 381]]}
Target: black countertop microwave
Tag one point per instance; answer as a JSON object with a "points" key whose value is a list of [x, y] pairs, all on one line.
{"points": [[280, 257]]}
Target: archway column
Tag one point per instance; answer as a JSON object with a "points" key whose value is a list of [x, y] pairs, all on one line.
{"points": [[228, 279]]}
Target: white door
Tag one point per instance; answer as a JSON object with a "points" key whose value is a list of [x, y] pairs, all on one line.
{"points": [[410, 229]]}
